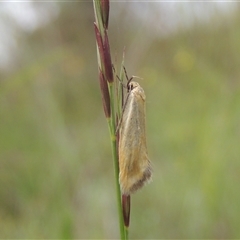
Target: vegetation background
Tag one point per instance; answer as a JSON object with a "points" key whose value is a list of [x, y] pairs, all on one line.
{"points": [[56, 169]]}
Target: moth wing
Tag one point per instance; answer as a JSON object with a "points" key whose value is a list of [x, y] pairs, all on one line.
{"points": [[135, 169]]}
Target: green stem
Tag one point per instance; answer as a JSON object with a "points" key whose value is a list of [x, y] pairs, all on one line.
{"points": [[126, 232], [112, 128]]}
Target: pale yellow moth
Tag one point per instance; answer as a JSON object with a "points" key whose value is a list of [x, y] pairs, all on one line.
{"points": [[134, 166]]}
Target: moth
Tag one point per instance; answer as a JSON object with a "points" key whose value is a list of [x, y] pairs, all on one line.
{"points": [[134, 165]]}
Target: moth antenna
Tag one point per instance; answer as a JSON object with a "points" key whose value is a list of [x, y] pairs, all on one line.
{"points": [[137, 77], [131, 78]]}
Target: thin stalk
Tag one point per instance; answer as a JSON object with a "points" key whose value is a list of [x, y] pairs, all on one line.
{"points": [[112, 127], [126, 232], [101, 10]]}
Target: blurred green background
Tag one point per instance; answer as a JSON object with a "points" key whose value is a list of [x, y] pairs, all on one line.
{"points": [[56, 170]]}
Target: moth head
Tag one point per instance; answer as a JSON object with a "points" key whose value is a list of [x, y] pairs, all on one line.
{"points": [[131, 85]]}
